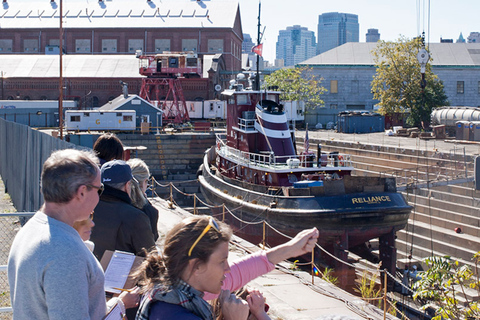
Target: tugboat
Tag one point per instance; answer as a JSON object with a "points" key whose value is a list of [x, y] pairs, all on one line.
{"points": [[255, 171]]}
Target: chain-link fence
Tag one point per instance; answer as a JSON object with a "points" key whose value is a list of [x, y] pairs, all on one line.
{"points": [[10, 223]]}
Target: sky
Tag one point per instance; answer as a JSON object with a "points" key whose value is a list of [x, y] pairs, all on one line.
{"points": [[392, 18]]}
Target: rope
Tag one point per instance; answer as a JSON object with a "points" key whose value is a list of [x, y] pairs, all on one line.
{"points": [[247, 223]]}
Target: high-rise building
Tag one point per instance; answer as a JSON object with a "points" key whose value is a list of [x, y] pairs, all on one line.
{"points": [[335, 29], [249, 55], [247, 43], [296, 44], [474, 37], [460, 39], [372, 35]]}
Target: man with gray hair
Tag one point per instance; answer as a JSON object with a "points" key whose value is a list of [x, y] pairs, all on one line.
{"points": [[118, 224], [52, 274]]}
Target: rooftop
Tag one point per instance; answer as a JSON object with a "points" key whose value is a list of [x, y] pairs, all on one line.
{"points": [[360, 54], [74, 66], [86, 14]]}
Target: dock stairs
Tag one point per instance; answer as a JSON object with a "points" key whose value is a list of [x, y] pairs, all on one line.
{"points": [[445, 220]]}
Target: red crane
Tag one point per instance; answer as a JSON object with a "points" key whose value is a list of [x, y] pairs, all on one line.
{"points": [[163, 85]]}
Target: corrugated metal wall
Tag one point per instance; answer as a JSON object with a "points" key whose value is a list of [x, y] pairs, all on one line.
{"points": [[22, 154]]}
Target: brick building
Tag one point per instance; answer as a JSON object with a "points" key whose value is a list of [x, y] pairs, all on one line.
{"points": [[99, 42]]}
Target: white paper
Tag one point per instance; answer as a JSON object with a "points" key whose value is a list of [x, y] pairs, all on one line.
{"points": [[117, 270], [115, 313]]}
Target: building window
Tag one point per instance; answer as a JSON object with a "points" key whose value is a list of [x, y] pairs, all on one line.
{"points": [[355, 107], [460, 87], [134, 45], [333, 86], [30, 45], [54, 42], [127, 118], [82, 46], [215, 45], [355, 85], [162, 45], [333, 106], [6, 45], [189, 45], [109, 46]]}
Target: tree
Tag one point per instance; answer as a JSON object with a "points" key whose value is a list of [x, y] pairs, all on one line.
{"points": [[298, 84], [397, 82], [444, 283]]}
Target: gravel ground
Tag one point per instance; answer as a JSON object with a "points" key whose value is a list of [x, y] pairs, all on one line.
{"points": [[6, 205]]}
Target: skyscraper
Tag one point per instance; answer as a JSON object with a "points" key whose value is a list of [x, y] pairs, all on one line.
{"points": [[296, 44], [372, 35], [335, 29], [474, 37], [247, 43]]}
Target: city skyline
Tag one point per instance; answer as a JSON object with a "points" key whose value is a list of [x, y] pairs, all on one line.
{"points": [[392, 19]]}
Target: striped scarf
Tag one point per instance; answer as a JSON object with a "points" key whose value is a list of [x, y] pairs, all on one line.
{"points": [[182, 294]]}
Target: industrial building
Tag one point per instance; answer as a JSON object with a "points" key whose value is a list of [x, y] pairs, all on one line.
{"points": [[348, 71], [100, 40]]}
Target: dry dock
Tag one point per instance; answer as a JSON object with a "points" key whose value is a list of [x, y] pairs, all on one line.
{"points": [[290, 294]]}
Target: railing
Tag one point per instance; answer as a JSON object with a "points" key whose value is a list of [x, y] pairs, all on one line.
{"points": [[10, 223], [246, 124], [268, 159]]}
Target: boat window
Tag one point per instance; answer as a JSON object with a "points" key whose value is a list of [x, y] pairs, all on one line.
{"points": [[273, 97], [243, 99]]}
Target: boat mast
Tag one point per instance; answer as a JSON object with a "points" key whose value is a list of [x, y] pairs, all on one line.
{"points": [[257, 76]]}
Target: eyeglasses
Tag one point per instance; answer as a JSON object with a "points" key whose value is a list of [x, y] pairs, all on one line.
{"points": [[99, 189], [211, 224]]}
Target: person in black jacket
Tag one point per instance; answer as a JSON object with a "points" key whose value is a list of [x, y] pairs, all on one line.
{"points": [[118, 224], [137, 193]]}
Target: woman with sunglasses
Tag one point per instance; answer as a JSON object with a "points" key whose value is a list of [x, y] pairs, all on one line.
{"points": [[194, 268]]}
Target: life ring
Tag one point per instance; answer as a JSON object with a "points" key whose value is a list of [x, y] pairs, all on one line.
{"points": [[341, 161]]}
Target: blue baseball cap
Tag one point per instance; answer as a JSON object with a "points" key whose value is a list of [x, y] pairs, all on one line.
{"points": [[116, 171]]}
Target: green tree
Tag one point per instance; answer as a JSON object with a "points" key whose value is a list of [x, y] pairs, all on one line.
{"points": [[397, 82], [298, 84], [444, 283]]}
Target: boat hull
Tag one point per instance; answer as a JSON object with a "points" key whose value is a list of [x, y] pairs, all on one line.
{"points": [[352, 218]]}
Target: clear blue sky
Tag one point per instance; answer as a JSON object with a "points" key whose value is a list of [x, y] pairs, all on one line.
{"points": [[391, 17]]}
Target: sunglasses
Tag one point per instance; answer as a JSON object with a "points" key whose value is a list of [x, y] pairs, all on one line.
{"points": [[99, 189], [211, 224]]}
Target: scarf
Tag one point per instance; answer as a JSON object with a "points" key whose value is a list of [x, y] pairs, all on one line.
{"points": [[182, 294]]}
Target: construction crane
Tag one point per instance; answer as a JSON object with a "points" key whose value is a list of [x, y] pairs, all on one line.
{"points": [[162, 83]]}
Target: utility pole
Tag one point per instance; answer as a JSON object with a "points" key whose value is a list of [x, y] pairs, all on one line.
{"points": [[2, 73], [423, 56], [60, 78]]}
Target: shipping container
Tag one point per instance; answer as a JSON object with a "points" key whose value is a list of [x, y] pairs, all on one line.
{"points": [[360, 122], [111, 120]]}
